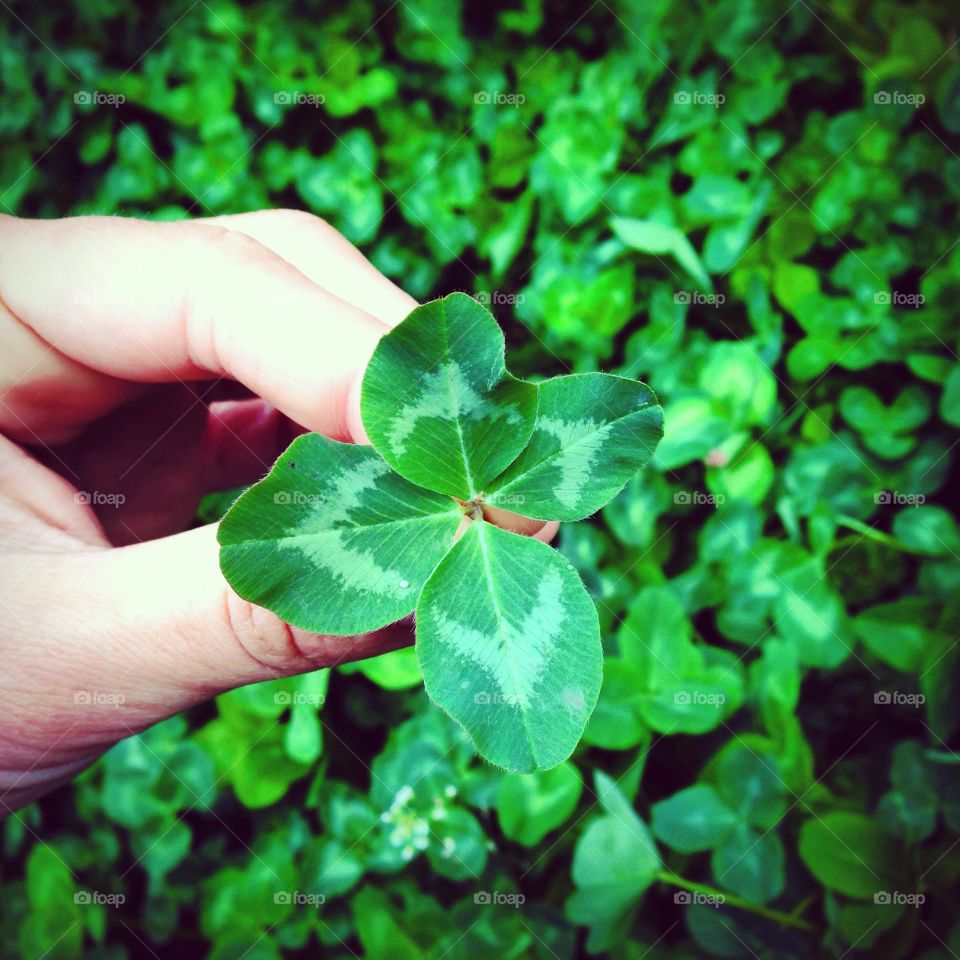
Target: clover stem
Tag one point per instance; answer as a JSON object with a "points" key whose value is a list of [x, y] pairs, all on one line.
{"points": [[474, 508], [877, 536], [728, 899]]}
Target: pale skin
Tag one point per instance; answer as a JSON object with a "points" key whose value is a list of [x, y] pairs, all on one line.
{"points": [[112, 335]]}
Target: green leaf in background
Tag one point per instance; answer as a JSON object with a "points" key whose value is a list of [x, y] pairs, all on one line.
{"points": [[530, 805], [259, 777], [751, 864], [343, 185], [928, 529], [751, 784], [678, 688], [593, 432], [397, 670], [895, 632], [614, 863], [692, 820], [850, 853], [332, 540], [438, 402], [662, 240], [55, 923], [380, 932], [950, 398], [509, 646]]}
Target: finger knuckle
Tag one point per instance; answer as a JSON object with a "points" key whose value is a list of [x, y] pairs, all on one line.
{"points": [[299, 219], [222, 247], [263, 636]]}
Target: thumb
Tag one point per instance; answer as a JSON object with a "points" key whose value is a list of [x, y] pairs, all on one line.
{"points": [[156, 628]]}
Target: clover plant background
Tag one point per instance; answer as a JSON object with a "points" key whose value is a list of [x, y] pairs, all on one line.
{"points": [[342, 539], [752, 206]]}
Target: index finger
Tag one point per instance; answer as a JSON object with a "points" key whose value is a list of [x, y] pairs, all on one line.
{"points": [[149, 301]]}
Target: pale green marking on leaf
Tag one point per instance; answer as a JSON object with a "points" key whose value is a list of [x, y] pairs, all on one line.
{"points": [[352, 569], [593, 432], [509, 645], [582, 441], [445, 393], [345, 493], [332, 540], [515, 656], [437, 400]]}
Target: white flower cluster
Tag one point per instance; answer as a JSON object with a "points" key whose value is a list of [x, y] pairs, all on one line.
{"points": [[411, 831]]}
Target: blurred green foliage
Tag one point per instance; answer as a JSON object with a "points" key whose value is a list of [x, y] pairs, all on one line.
{"points": [[751, 205]]}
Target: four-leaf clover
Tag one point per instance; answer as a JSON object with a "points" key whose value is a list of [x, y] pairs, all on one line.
{"points": [[343, 539]]}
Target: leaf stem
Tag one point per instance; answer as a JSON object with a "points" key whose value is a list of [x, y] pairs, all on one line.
{"points": [[871, 533], [729, 899]]}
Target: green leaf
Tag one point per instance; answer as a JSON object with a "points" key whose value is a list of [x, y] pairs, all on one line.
{"points": [[750, 864], [54, 924], [940, 685], [303, 738], [850, 853], [617, 722], [950, 398], [344, 183], [928, 529], [660, 239], [332, 540], [895, 632], [678, 689], [692, 820], [750, 783], [380, 933], [437, 400], [614, 863], [398, 670], [593, 432], [529, 806], [331, 867], [458, 847], [509, 645]]}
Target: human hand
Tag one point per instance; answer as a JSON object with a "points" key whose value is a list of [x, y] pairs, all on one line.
{"points": [[119, 341]]}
